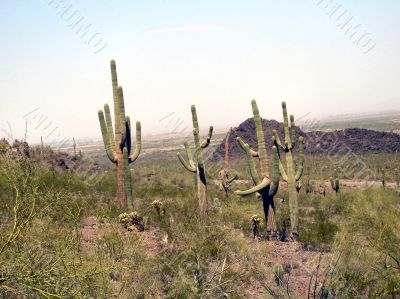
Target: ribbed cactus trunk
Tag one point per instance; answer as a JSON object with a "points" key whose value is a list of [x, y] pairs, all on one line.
{"points": [[118, 146], [293, 195], [290, 175], [263, 184], [196, 166]]}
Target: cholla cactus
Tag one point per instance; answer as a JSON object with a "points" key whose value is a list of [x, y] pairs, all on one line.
{"points": [[335, 182], [157, 205], [226, 175], [290, 175], [196, 165], [278, 271], [118, 146], [265, 185], [131, 221], [256, 222]]}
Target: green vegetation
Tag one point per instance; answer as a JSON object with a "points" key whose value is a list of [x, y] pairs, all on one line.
{"points": [[63, 238]]}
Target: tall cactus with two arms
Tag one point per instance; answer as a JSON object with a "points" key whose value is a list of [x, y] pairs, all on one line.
{"points": [[290, 175], [196, 165], [118, 147], [266, 186]]}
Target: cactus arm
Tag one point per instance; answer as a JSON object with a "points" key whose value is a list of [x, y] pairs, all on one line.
{"points": [[186, 164], [242, 145], [116, 99], [262, 151], [275, 178], [264, 183], [189, 155], [288, 141], [128, 135], [109, 124], [206, 142], [226, 159], [292, 131], [194, 118], [277, 140], [138, 143], [190, 166], [301, 159], [122, 116], [198, 152], [251, 165], [282, 171], [106, 140]]}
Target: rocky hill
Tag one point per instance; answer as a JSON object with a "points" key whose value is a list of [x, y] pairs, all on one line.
{"points": [[358, 141]]}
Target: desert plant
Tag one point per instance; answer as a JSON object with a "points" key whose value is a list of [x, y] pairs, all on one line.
{"points": [[335, 182], [196, 165], [157, 205], [264, 185], [383, 177], [278, 271], [256, 222], [289, 175], [118, 147], [131, 221], [226, 175]]}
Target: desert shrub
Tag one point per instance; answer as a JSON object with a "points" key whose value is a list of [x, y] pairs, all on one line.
{"points": [[368, 247]]}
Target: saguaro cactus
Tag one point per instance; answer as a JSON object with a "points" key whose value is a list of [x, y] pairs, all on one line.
{"points": [[226, 175], [335, 182], [289, 175], [266, 186], [118, 147], [197, 165]]}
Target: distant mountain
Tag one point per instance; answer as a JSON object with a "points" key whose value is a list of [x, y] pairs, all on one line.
{"points": [[358, 141]]}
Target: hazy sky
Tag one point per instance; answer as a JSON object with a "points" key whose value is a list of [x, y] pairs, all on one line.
{"points": [[216, 54]]}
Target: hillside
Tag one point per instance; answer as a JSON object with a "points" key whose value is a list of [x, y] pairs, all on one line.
{"points": [[355, 140]]}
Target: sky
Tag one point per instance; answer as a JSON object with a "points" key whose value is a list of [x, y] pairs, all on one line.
{"points": [[323, 57]]}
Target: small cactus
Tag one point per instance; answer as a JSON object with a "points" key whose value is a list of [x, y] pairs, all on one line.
{"points": [[383, 177], [131, 221], [278, 271], [157, 205], [335, 184], [256, 222]]}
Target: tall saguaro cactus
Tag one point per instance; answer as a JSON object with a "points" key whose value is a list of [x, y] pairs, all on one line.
{"points": [[196, 165], [264, 184], [226, 175], [290, 175], [118, 146]]}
